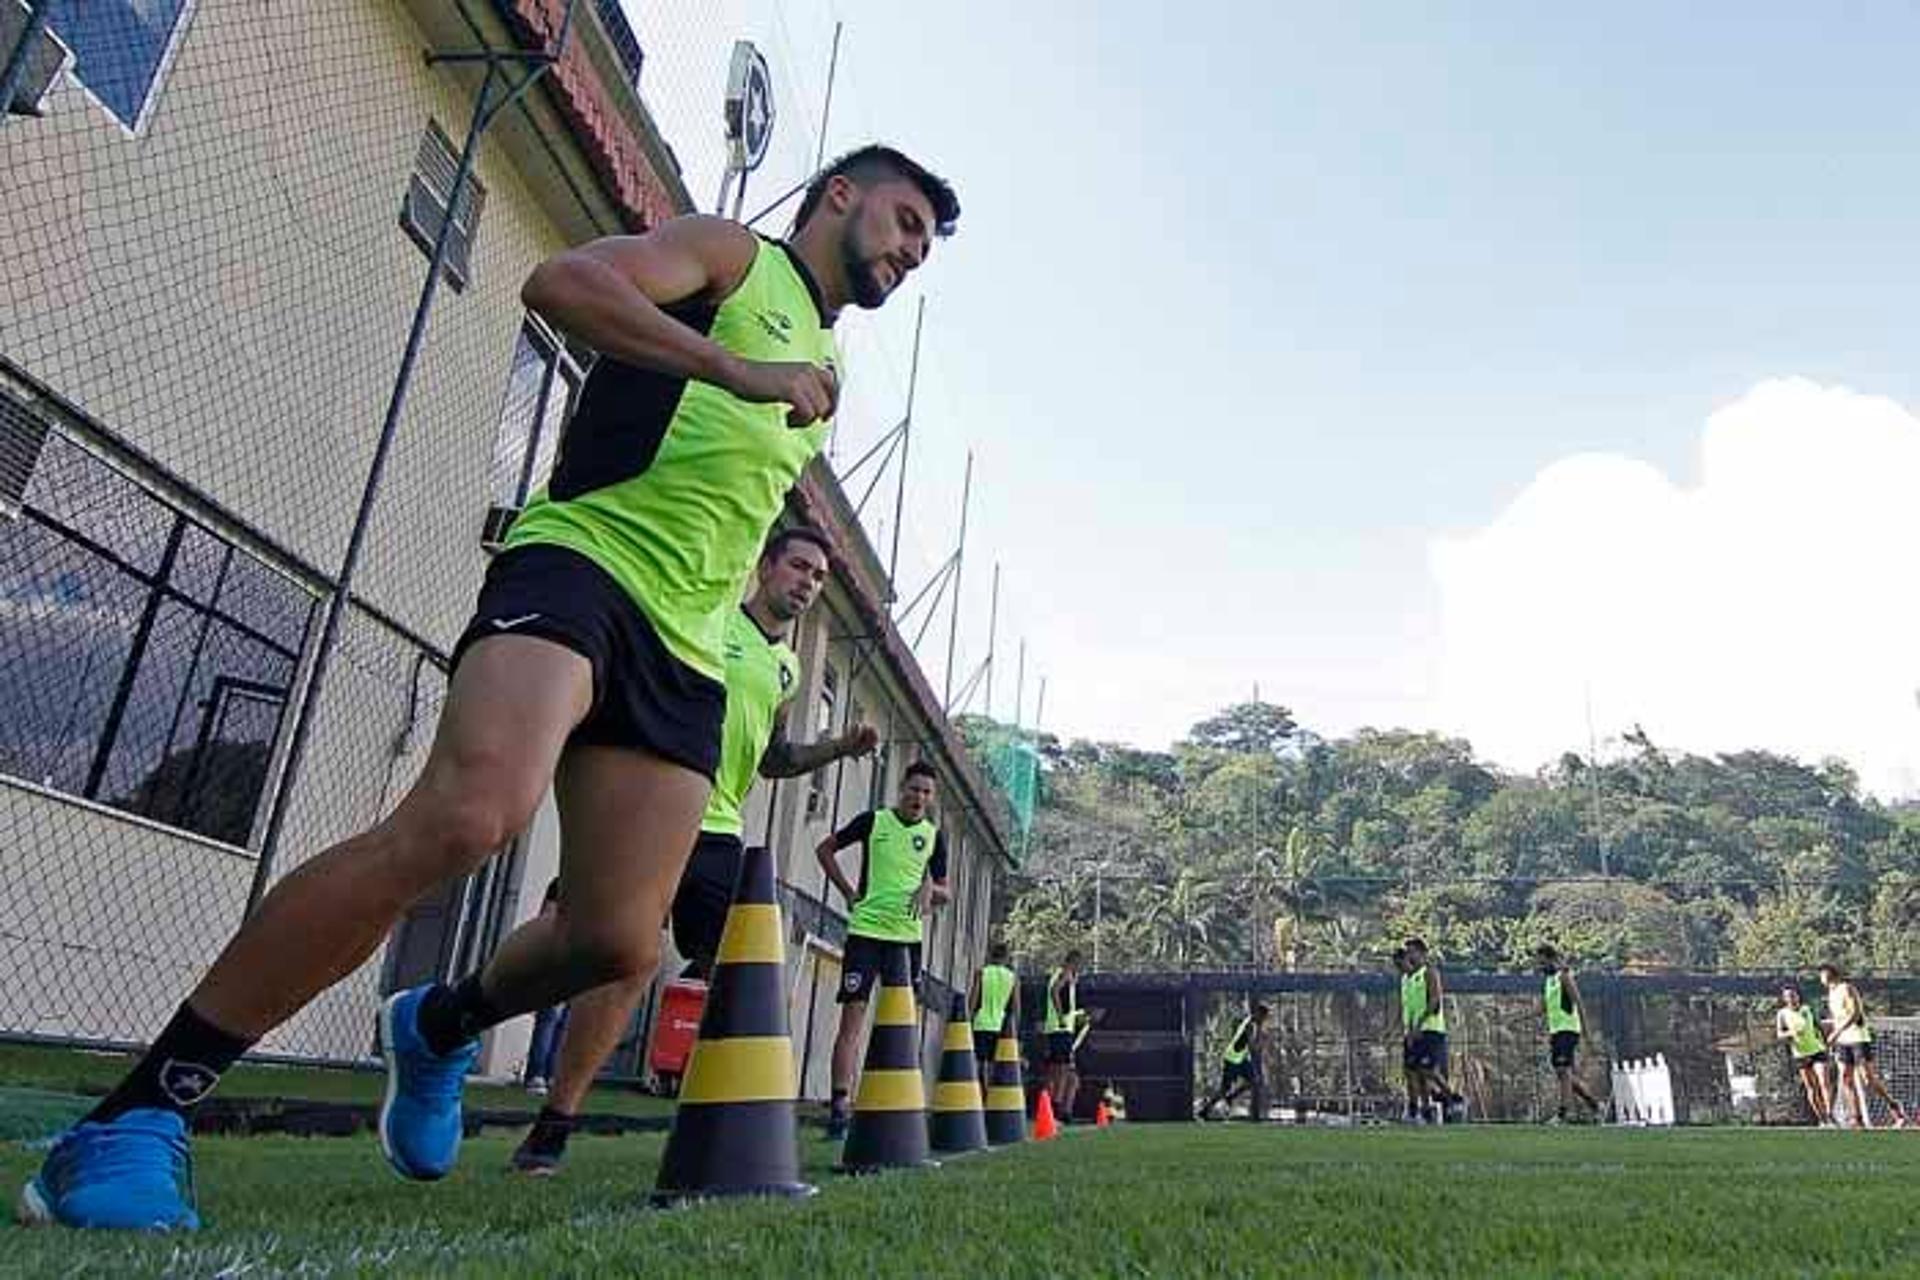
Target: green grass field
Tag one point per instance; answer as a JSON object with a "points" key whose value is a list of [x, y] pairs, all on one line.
{"points": [[1143, 1200], [76, 1071]]}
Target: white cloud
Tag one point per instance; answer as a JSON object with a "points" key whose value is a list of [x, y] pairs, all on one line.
{"points": [[1773, 605]]}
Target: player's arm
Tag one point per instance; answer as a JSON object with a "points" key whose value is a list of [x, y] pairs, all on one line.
{"points": [[1436, 990], [787, 759], [973, 995], [828, 850], [1847, 1018], [1781, 1031], [609, 293], [934, 892]]}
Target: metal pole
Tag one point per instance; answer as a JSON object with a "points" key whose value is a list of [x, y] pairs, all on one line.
{"points": [[906, 441], [959, 563], [826, 107], [1098, 885], [484, 111], [993, 633], [1593, 772], [1040, 711], [16, 69], [1020, 687]]}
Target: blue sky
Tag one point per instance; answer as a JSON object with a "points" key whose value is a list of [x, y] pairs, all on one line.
{"points": [[1258, 313]]}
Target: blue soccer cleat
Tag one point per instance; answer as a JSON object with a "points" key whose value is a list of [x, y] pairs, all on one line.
{"points": [[131, 1173], [420, 1116]]}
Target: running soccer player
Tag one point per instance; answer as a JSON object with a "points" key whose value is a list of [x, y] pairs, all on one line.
{"points": [[763, 675], [1239, 1064], [592, 664], [903, 880], [1797, 1025], [1566, 1022], [1850, 1037], [994, 994]]}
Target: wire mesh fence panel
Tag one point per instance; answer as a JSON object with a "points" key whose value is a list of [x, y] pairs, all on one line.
{"points": [[215, 238]]}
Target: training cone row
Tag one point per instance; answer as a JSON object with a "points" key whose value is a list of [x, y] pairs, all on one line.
{"points": [[1006, 1099], [959, 1124], [889, 1129], [733, 1134]]}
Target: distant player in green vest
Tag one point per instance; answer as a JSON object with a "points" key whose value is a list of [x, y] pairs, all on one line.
{"points": [[1566, 1021], [591, 665], [1423, 997], [1410, 1073], [1239, 1063], [1065, 1022], [1798, 1025], [1850, 1036], [763, 676], [903, 880], [994, 994]]}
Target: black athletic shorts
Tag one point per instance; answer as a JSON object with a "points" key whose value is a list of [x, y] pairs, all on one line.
{"points": [[984, 1043], [1060, 1048], [1852, 1055], [865, 959], [1805, 1060], [1429, 1051], [1232, 1072], [644, 698], [705, 893], [1562, 1046]]}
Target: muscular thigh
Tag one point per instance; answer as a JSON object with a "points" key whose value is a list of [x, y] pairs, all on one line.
{"points": [[628, 820]]}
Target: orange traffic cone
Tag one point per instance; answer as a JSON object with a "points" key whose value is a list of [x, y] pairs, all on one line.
{"points": [[1006, 1099], [958, 1124], [1044, 1125], [889, 1129], [1100, 1117], [733, 1133]]}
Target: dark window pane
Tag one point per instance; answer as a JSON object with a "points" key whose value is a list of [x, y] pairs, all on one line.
{"points": [[67, 621], [73, 488], [119, 47], [180, 730], [197, 567], [519, 414]]}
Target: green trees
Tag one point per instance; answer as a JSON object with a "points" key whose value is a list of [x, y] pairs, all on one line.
{"points": [[1255, 842]]}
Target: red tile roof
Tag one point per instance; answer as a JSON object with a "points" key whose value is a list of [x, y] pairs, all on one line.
{"points": [[610, 143]]}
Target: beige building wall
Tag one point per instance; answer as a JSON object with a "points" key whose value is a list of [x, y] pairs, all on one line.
{"points": [[228, 294]]}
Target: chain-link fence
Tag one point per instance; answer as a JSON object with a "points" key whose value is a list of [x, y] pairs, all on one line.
{"points": [[1332, 1049], [222, 396]]}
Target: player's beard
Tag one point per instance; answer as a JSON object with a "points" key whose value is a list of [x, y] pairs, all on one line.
{"points": [[862, 272]]}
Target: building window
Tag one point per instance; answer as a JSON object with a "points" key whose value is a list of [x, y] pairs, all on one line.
{"points": [[145, 661], [817, 785], [122, 49], [542, 385], [430, 193]]}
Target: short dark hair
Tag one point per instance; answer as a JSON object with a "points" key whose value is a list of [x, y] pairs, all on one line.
{"points": [[1416, 944], [1259, 1010], [1547, 951], [921, 769], [1832, 968], [1072, 957], [875, 162], [780, 541], [998, 951]]}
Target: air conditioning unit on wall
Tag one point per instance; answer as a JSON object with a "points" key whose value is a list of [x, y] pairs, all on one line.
{"points": [[47, 57]]}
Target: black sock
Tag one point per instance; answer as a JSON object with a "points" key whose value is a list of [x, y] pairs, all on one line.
{"points": [[181, 1068], [839, 1102], [451, 1016], [551, 1129]]}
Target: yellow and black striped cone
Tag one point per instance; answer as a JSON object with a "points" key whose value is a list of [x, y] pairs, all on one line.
{"points": [[889, 1129], [733, 1134], [1006, 1102], [958, 1124]]}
